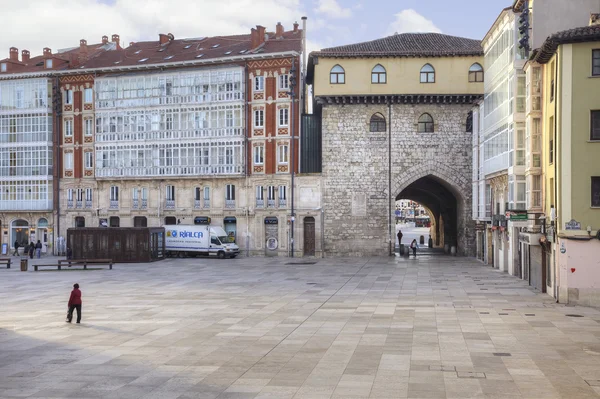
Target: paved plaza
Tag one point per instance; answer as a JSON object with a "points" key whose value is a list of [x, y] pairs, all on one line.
{"points": [[435, 327]]}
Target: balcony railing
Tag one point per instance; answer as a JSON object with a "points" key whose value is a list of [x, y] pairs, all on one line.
{"points": [[135, 204], [206, 203], [169, 204], [79, 204], [114, 204], [260, 203], [69, 203], [88, 204], [229, 204], [282, 202], [144, 203], [270, 203], [197, 204]]}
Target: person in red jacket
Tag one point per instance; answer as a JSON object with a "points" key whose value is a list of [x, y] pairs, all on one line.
{"points": [[74, 303]]}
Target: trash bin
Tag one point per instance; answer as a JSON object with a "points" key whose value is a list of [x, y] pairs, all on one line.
{"points": [[23, 264], [422, 240], [401, 249]]}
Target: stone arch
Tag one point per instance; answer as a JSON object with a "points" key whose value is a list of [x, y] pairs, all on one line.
{"points": [[457, 183]]}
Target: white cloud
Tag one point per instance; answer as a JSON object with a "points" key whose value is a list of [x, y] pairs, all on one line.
{"points": [[35, 24], [411, 21], [332, 9]]}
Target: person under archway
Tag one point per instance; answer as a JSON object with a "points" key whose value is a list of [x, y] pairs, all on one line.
{"points": [[414, 246]]}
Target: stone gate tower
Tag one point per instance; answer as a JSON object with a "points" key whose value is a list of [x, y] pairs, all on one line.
{"points": [[396, 124]]}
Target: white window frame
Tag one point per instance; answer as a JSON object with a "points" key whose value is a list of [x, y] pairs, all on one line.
{"points": [[68, 97], [88, 126], [89, 194], [283, 117], [271, 191], [284, 81], [68, 127], [88, 95], [88, 159], [260, 196], [259, 118], [230, 192], [259, 83], [170, 193], [283, 192], [68, 160], [48, 63], [259, 155], [3, 67], [114, 193], [283, 154], [206, 193], [70, 194]]}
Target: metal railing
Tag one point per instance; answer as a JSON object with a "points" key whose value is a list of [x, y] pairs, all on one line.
{"points": [[169, 204], [260, 203], [197, 204], [229, 204], [114, 204]]}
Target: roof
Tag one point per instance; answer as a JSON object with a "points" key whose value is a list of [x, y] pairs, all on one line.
{"points": [[408, 45], [495, 24], [196, 49], [576, 35]]}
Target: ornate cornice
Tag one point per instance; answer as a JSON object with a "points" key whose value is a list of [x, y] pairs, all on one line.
{"points": [[400, 99]]}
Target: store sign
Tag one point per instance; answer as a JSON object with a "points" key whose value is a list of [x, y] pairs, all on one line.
{"points": [[573, 225], [516, 215]]}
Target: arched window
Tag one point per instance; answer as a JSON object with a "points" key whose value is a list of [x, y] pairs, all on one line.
{"points": [[425, 123], [476, 73], [427, 74], [337, 75], [378, 74], [377, 123]]}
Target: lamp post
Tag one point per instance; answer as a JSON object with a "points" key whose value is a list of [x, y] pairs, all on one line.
{"points": [[292, 92]]}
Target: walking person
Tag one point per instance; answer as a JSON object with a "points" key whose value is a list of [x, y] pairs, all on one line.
{"points": [[31, 249], [38, 249], [17, 245], [74, 304], [414, 247], [399, 241]]}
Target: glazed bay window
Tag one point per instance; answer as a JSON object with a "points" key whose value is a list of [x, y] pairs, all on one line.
{"points": [[259, 155], [284, 117], [230, 196], [536, 191], [259, 118], [259, 83], [282, 196], [170, 197], [520, 145], [536, 144], [114, 197], [24, 94], [260, 197]]}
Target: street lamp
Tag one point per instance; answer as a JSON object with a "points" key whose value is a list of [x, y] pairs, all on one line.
{"points": [[292, 93]]}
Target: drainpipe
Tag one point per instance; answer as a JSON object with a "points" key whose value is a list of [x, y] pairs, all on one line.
{"points": [[57, 173], [556, 224], [244, 158], [303, 70], [391, 248]]}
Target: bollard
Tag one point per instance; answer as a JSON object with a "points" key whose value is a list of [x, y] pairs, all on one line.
{"points": [[401, 249], [430, 243], [23, 264], [422, 240]]}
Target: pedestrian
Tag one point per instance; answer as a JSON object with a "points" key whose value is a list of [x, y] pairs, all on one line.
{"points": [[17, 245], [31, 249], [74, 304], [399, 241], [38, 249], [414, 247]]}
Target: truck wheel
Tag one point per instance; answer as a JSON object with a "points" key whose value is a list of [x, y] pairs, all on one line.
{"points": [[221, 255]]}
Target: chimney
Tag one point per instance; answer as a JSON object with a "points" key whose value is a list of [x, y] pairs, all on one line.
{"points": [[163, 39], [25, 55], [47, 52], [278, 30], [83, 45], [594, 19], [115, 39], [104, 39], [296, 27], [14, 54], [131, 44], [260, 33], [253, 38]]}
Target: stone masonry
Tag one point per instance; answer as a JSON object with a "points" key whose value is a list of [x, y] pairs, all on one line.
{"points": [[355, 171]]}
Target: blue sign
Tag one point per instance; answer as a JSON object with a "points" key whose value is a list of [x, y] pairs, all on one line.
{"points": [[398, 212]]}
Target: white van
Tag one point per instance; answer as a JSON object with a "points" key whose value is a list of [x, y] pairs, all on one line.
{"points": [[198, 240]]}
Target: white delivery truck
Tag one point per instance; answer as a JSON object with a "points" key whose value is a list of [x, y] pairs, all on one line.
{"points": [[193, 240]]}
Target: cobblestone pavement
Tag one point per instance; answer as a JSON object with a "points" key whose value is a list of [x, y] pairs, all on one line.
{"points": [[435, 327]]}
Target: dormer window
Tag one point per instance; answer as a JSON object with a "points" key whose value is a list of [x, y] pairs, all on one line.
{"points": [[49, 63], [3, 67], [169, 57], [137, 52], [215, 45], [188, 46], [227, 52], [143, 60], [200, 56]]}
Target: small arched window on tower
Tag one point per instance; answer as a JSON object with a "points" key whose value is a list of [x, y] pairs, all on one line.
{"points": [[378, 74], [427, 74], [337, 75], [476, 73], [377, 123], [470, 122], [425, 123]]}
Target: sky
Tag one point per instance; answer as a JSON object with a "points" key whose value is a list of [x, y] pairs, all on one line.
{"points": [[57, 24]]}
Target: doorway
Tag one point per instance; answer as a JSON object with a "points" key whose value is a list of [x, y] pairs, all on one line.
{"points": [[230, 227], [170, 220], [114, 221], [140, 221], [309, 236]]}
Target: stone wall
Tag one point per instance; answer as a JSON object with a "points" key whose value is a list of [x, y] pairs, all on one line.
{"points": [[355, 171]]}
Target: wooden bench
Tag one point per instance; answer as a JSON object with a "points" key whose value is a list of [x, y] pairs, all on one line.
{"points": [[86, 262], [35, 267], [6, 261]]}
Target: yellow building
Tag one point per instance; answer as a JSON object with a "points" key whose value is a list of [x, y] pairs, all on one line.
{"points": [[571, 162]]}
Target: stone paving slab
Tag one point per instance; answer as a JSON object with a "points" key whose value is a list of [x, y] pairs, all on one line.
{"points": [[431, 327]]}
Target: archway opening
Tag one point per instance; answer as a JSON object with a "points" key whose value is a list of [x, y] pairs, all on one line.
{"points": [[440, 202], [413, 221]]}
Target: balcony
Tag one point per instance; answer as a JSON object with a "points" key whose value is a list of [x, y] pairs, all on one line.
{"points": [[135, 204], [69, 204], [229, 204], [206, 203], [88, 204], [79, 204], [197, 204], [169, 204], [144, 204], [282, 202], [114, 204], [270, 203], [260, 203]]}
